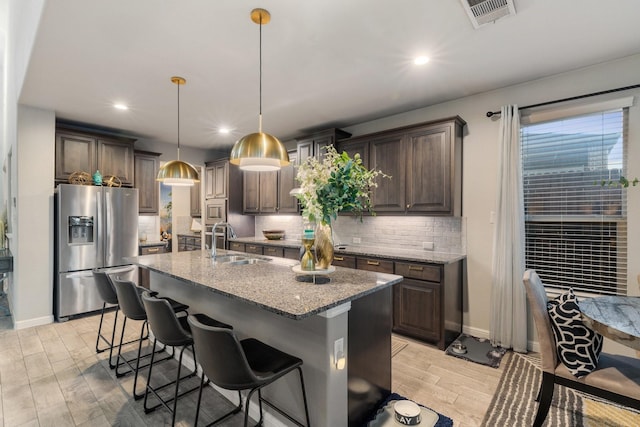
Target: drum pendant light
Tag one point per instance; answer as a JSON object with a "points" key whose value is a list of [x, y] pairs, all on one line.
{"points": [[259, 151], [176, 172]]}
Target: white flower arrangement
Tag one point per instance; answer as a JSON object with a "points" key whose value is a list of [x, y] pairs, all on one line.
{"points": [[337, 183]]}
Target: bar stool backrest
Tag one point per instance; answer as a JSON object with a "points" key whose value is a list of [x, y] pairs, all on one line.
{"points": [[221, 356], [105, 287], [163, 321], [129, 299]]}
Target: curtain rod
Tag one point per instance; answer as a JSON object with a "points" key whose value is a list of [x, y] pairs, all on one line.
{"points": [[573, 98]]}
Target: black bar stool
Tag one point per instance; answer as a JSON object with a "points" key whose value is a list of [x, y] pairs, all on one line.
{"points": [[173, 331], [132, 308], [108, 295], [241, 365]]}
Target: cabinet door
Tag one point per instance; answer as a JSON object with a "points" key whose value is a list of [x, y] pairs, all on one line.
{"points": [[304, 150], [416, 309], [286, 183], [388, 155], [216, 180], [268, 192], [429, 180], [195, 198], [237, 246], [291, 253], [319, 145], [356, 147], [251, 195], [273, 251], [253, 249], [74, 153], [116, 158], [146, 170]]}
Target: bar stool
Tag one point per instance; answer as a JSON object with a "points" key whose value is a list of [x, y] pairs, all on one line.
{"points": [[108, 295], [241, 365], [132, 308], [173, 331]]}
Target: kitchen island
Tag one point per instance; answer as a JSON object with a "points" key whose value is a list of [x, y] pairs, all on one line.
{"points": [[265, 299]]}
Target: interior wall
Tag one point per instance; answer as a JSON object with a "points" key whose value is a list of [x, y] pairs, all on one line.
{"points": [[33, 297], [480, 157]]}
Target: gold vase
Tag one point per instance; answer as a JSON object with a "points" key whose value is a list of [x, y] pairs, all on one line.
{"points": [[324, 246]]}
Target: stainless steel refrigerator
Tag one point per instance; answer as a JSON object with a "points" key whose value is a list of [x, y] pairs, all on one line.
{"points": [[96, 227]]}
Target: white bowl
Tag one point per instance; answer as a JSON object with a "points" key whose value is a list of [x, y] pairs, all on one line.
{"points": [[407, 412]]}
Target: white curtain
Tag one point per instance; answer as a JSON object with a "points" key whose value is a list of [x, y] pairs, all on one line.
{"points": [[508, 297]]}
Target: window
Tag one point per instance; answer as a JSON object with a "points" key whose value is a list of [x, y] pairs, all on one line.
{"points": [[576, 228]]}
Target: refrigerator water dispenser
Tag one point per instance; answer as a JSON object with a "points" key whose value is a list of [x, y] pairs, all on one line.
{"points": [[80, 230]]}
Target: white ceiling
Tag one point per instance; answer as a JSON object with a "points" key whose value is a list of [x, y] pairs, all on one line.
{"points": [[325, 63]]}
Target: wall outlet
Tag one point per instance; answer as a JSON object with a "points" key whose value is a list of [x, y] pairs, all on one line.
{"points": [[427, 246], [357, 240]]}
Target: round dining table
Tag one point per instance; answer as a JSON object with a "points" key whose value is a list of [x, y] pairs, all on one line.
{"points": [[615, 317]]}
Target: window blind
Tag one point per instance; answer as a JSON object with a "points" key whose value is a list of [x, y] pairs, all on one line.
{"points": [[575, 221]]}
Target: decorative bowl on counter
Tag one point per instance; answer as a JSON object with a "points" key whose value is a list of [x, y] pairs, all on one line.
{"points": [[273, 234]]}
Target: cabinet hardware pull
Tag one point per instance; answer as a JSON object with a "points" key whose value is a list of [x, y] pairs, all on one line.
{"points": [[408, 206], [338, 258], [153, 249], [369, 262], [411, 267], [253, 247]]}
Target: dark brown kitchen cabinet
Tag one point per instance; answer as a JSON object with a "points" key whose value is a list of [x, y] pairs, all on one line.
{"points": [[253, 249], [313, 145], [195, 196], [143, 273], [425, 165], [427, 304], [268, 192], [355, 147], [216, 179], [374, 264], [146, 171], [189, 243], [237, 246], [273, 251], [347, 261], [292, 253], [84, 151]]}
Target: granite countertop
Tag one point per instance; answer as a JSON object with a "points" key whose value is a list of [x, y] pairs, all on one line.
{"points": [[271, 285], [380, 252]]}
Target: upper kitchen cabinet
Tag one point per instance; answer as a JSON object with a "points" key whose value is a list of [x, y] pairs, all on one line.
{"points": [[146, 171], [425, 164], [83, 151], [217, 179], [268, 192], [312, 145], [196, 199]]}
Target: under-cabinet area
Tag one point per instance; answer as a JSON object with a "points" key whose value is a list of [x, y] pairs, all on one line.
{"points": [[427, 303]]}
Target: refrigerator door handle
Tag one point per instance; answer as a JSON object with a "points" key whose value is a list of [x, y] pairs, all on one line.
{"points": [[99, 230], [85, 273]]}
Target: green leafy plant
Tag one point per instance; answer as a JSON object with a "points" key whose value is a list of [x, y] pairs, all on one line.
{"points": [[622, 182], [336, 184]]}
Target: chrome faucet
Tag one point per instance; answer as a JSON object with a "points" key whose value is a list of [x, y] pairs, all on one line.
{"points": [[225, 226]]}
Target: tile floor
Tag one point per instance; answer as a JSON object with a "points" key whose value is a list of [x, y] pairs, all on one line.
{"points": [[51, 376]]}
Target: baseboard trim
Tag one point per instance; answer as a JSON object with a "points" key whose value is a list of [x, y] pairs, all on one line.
{"points": [[38, 321], [483, 333]]}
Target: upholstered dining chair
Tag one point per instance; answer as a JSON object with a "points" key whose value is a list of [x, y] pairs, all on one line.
{"points": [[616, 378]]}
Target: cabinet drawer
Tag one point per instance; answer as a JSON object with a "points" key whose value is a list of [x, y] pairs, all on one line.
{"points": [[253, 249], [152, 250], [431, 273], [272, 251], [344, 261], [235, 246], [374, 264], [291, 253]]}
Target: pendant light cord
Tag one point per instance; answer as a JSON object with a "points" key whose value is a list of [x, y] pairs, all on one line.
{"points": [[260, 85], [178, 120]]}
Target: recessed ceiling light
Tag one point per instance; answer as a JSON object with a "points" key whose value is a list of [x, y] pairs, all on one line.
{"points": [[120, 106], [421, 60], [224, 130]]}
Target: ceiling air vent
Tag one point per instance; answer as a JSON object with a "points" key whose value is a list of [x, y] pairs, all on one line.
{"points": [[483, 12]]}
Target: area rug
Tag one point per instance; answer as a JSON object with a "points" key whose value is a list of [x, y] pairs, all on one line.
{"points": [[397, 345], [479, 350], [514, 403], [381, 418]]}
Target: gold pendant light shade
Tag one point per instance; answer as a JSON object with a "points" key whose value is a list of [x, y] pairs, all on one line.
{"points": [[177, 172], [259, 151]]}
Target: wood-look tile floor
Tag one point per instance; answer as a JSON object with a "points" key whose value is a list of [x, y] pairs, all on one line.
{"points": [[51, 376]]}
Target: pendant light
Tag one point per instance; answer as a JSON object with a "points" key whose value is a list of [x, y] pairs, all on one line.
{"points": [[259, 151], [176, 172]]}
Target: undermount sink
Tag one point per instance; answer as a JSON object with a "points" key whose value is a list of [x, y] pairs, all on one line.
{"points": [[239, 259]]}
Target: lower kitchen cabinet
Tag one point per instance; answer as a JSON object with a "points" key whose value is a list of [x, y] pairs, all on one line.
{"points": [[143, 273], [427, 304], [189, 243]]}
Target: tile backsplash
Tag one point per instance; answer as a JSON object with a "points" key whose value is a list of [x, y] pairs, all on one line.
{"points": [[447, 234]]}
